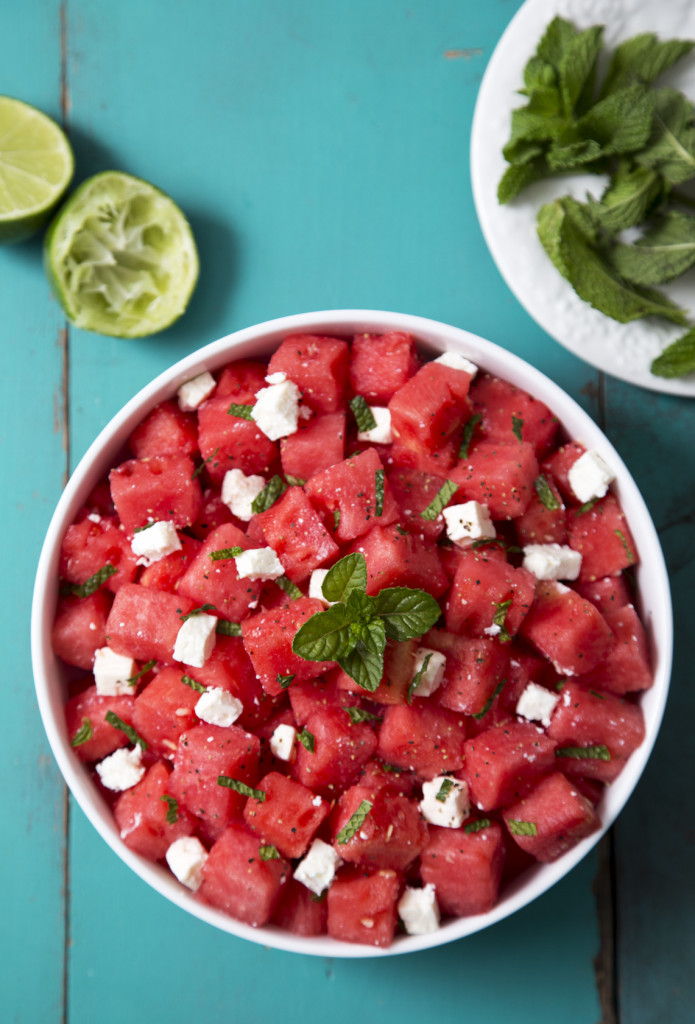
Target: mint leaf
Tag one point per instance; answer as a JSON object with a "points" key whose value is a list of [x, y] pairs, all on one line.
{"points": [[83, 734], [134, 680], [522, 828], [307, 740], [406, 612], [284, 681], [354, 824], [577, 69], [350, 573], [378, 492], [444, 790], [671, 148], [222, 554], [415, 681], [268, 852], [629, 198], [290, 588], [193, 684], [240, 787], [592, 277], [294, 481], [364, 662], [467, 435], [642, 58], [665, 251], [275, 487], [678, 359], [517, 177], [440, 500], [172, 815], [325, 636], [489, 702], [358, 715], [113, 719], [364, 417], [477, 826], [228, 628], [621, 122], [545, 493], [499, 619], [517, 427], [600, 752], [91, 585], [242, 411]]}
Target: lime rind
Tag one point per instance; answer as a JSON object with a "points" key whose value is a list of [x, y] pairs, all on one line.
{"points": [[36, 167], [121, 257]]}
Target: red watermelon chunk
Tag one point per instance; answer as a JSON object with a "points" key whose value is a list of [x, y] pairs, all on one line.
{"points": [[241, 379], [423, 738], [499, 474], [79, 628], [585, 718], [164, 709], [299, 912], [91, 544], [89, 707], [142, 815], [559, 464], [567, 629], [311, 695], [340, 748], [392, 834], [164, 574], [465, 868], [165, 431], [204, 753], [362, 906], [238, 881], [381, 364], [268, 638], [161, 488], [144, 623], [606, 592], [216, 581], [228, 441], [414, 491], [295, 532], [288, 817], [230, 668], [345, 494], [488, 597], [430, 406], [505, 761], [213, 514], [317, 365], [474, 670], [540, 524], [397, 558], [551, 819], [603, 537], [627, 666], [316, 445], [510, 412]]}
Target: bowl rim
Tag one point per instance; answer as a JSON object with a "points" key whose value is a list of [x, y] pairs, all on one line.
{"points": [[433, 337]]}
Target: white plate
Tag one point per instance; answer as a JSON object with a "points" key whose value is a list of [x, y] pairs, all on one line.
{"points": [[623, 350]]}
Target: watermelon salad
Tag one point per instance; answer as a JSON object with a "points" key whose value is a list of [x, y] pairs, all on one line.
{"points": [[351, 637]]}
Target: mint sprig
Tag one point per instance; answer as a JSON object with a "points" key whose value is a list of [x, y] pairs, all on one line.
{"points": [[355, 629]]}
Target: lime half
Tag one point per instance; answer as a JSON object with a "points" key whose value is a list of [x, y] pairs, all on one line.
{"points": [[121, 257], [36, 166]]}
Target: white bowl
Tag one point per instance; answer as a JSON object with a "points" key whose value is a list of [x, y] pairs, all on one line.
{"points": [[651, 575]]}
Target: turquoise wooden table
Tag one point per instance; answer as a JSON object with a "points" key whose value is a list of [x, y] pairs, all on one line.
{"points": [[320, 150]]}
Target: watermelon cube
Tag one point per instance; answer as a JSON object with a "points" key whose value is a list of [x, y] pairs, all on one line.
{"points": [[164, 710], [144, 623], [318, 366], [288, 817], [89, 545], [335, 752], [474, 670], [504, 761], [346, 495], [165, 431], [160, 488], [427, 739], [362, 906], [148, 822], [569, 630], [392, 835], [299, 911], [499, 474], [268, 638], [551, 819], [237, 880], [381, 364], [212, 578], [91, 708], [488, 597], [316, 445], [397, 558], [603, 538], [509, 412], [465, 867], [430, 407], [229, 441], [79, 628], [293, 529]]}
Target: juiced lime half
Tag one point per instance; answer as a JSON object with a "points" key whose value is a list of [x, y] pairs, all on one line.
{"points": [[121, 257], [36, 166]]}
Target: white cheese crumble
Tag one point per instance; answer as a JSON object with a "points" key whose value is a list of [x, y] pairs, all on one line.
{"points": [[155, 542], [469, 521], [589, 477], [283, 741], [450, 812], [431, 678], [218, 707], [279, 377], [186, 858], [316, 586], [259, 564], [537, 704], [112, 672], [276, 412], [552, 561], [317, 870], [419, 911], [240, 491], [195, 640], [121, 770], [193, 392], [381, 433], [456, 362]]}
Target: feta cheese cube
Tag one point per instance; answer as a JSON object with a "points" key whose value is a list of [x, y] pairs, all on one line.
{"points": [[218, 707], [276, 411], [381, 433], [317, 870], [155, 542], [552, 561], [186, 858], [456, 362], [112, 672], [469, 521], [279, 377], [193, 392], [195, 640], [259, 564], [316, 584], [431, 678], [419, 911], [589, 477], [121, 770], [283, 741], [445, 801], [240, 491], [537, 704]]}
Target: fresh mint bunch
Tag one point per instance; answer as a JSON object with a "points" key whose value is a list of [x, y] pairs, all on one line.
{"points": [[643, 138], [355, 629]]}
